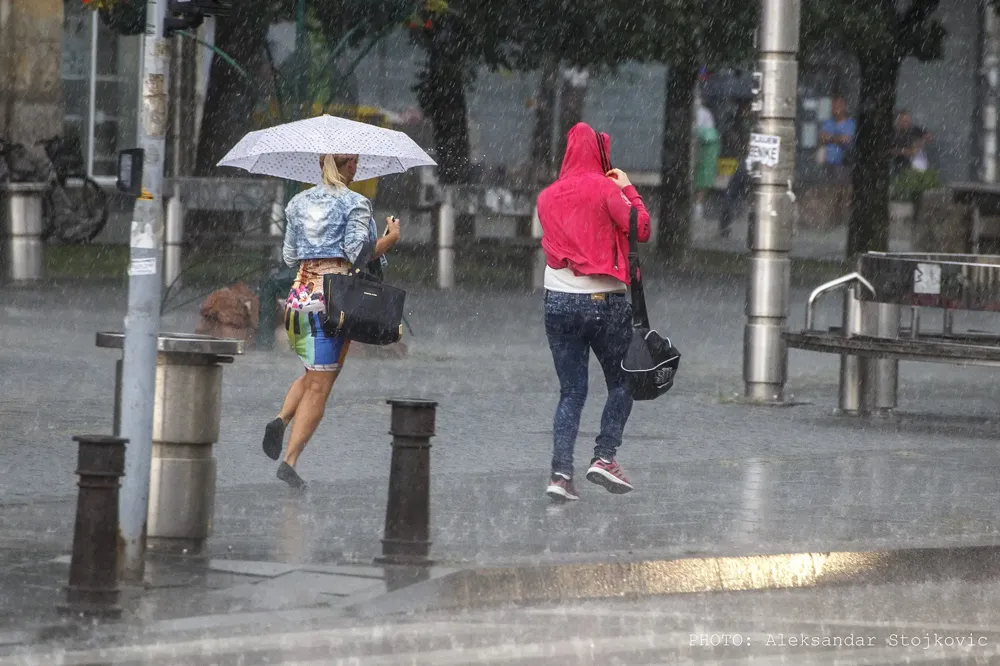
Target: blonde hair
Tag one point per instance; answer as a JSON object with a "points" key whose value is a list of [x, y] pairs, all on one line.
{"points": [[331, 165]]}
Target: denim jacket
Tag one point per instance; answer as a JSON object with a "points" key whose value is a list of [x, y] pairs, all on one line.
{"points": [[327, 223]]}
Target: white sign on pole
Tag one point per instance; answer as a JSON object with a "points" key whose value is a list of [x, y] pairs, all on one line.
{"points": [[927, 279], [764, 148]]}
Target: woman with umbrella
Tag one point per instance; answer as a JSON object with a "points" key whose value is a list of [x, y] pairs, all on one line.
{"points": [[326, 229]]}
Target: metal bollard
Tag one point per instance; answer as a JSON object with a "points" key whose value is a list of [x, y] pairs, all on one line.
{"points": [[173, 240], [93, 572], [407, 513], [22, 250], [446, 242]]}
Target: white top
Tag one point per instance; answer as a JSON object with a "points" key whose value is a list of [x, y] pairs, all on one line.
{"points": [[564, 280], [705, 119]]}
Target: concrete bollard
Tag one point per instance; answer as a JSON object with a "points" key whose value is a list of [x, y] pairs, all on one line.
{"points": [[93, 572], [22, 250], [407, 513]]}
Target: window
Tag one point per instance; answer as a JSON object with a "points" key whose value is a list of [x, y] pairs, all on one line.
{"points": [[100, 74]]}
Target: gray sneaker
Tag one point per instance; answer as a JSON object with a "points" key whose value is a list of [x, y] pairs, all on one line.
{"points": [[288, 474], [274, 438]]}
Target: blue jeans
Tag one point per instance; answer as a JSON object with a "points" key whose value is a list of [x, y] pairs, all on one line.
{"points": [[574, 325]]}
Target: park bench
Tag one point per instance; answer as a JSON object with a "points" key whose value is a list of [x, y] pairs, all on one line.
{"points": [[871, 341]]}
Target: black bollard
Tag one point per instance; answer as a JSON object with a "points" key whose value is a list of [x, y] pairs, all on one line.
{"points": [[407, 513], [93, 571]]}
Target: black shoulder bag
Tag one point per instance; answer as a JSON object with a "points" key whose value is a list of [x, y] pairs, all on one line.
{"points": [[360, 307], [651, 361]]}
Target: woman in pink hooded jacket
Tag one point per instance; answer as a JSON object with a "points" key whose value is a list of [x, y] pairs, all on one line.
{"points": [[585, 225]]}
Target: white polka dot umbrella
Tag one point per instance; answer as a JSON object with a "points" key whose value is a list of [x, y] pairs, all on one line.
{"points": [[292, 150]]}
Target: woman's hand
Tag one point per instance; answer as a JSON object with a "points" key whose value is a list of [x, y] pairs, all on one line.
{"points": [[389, 238], [619, 177], [392, 227]]}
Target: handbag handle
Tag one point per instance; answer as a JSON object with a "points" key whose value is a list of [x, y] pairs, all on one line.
{"points": [[364, 256], [640, 317]]}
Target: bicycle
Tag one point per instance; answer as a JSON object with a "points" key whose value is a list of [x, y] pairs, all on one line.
{"points": [[74, 215]]}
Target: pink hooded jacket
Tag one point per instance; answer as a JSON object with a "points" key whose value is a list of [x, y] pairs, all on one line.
{"points": [[584, 215]]}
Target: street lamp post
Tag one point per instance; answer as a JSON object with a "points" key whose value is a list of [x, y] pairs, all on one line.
{"points": [[142, 323], [772, 156]]}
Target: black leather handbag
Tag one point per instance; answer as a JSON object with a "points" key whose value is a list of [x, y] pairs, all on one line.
{"points": [[360, 307], [651, 361]]}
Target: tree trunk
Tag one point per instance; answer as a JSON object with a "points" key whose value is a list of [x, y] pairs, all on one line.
{"points": [[541, 135], [230, 98], [572, 101], [675, 165], [869, 226], [441, 94]]}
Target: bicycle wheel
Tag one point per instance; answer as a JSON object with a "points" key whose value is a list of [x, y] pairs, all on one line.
{"points": [[78, 215]]}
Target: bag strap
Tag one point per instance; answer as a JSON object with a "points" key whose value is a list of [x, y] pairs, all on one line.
{"points": [[640, 317], [367, 267], [364, 256]]}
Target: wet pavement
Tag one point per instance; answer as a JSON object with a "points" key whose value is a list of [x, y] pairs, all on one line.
{"points": [[713, 477]]}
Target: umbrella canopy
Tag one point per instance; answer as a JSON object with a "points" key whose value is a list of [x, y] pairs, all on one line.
{"points": [[292, 150]]}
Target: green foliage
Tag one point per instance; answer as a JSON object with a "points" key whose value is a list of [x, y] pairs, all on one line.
{"points": [[910, 184], [602, 34], [713, 32], [875, 29]]}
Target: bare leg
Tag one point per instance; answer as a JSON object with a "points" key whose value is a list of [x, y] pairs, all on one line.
{"points": [[292, 399], [316, 387]]}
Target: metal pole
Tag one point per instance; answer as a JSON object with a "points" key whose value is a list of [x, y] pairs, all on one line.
{"points": [[765, 357], [886, 369], [989, 82], [853, 369], [145, 285]]}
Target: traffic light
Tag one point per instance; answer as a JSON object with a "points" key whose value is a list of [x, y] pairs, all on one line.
{"points": [[189, 14]]}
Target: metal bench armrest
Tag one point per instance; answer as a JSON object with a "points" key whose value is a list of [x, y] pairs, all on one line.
{"points": [[833, 284]]}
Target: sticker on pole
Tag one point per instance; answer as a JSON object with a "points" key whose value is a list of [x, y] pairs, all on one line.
{"points": [[765, 149], [142, 266], [927, 279]]}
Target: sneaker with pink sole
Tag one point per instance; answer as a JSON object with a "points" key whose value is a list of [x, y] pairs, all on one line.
{"points": [[608, 473], [561, 488]]}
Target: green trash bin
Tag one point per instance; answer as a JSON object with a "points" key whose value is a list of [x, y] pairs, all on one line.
{"points": [[706, 158]]}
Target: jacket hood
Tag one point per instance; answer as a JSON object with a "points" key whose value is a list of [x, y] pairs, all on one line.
{"points": [[583, 153]]}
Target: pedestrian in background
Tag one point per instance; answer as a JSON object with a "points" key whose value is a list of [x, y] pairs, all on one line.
{"points": [[706, 159], [909, 145], [585, 225], [837, 138]]}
